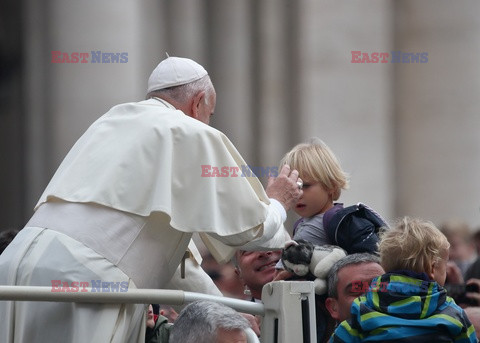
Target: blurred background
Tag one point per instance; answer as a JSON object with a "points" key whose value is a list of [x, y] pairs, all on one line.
{"points": [[407, 133]]}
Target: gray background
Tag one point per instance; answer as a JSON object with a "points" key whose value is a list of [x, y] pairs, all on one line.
{"points": [[407, 133]]}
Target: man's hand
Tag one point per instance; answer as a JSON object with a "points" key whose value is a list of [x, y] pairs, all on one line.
{"points": [[282, 274], [474, 295], [284, 187], [254, 322], [169, 312]]}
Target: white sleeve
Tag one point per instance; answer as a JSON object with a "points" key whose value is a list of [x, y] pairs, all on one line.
{"points": [[274, 233], [277, 206], [270, 235]]}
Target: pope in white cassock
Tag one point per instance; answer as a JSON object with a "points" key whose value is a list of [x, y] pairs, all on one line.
{"points": [[123, 205]]}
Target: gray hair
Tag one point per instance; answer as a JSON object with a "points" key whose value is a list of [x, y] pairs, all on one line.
{"points": [[344, 262], [198, 322], [184, 92]]}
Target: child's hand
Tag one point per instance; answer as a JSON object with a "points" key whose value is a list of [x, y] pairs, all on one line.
{"points": [[254, 322]]}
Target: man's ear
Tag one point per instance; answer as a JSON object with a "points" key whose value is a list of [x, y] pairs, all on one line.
{"points": [[238, 272], [198, 99], [332, 306]]}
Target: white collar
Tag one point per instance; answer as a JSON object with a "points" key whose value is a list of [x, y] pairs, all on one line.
{"points": [[164, 102]]}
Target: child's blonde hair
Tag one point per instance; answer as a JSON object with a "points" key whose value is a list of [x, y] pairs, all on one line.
{"points": [[315, 160], [412, 244]]}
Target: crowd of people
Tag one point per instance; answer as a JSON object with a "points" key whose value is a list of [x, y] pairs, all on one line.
{"points": [[125, 202]]}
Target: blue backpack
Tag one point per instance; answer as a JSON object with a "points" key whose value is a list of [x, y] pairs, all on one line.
{"points": [[354, 228]]}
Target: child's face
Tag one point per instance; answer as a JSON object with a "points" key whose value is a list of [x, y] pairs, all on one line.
{"points": [[315, 199], [440, 269]]}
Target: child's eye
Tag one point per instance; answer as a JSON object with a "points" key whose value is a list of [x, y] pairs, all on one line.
{"points": [[306, 185]]}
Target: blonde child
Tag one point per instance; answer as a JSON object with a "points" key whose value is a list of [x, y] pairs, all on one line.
{"points": [[408, 303], [323, 181]]}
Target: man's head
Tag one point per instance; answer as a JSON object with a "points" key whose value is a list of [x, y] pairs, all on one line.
{"points": [[186, 85], [462, 246], [206, 322], [352, 269], [256, 268]]}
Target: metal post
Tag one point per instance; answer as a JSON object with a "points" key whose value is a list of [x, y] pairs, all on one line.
{"points": [[289, 312]]}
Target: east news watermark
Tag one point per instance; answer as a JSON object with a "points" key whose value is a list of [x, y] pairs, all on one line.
{"points": [[93, 286], [362, 287], [209, 170], [388, 57], [96, 56]]}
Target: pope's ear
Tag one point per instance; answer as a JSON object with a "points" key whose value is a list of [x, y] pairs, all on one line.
{"points": [[197, 101]]}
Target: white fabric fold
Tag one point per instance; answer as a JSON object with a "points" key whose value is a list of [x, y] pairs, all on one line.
{"points": [[147, 157]]}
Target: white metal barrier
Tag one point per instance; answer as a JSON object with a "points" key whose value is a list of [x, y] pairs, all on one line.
{"points": [[288, 307], [289, 312]]}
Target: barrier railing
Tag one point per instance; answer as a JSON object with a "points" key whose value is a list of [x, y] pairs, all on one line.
{"points": [[288, 307]]}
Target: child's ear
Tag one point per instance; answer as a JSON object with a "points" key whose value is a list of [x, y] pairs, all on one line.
{"points": [[332, 192], [431, 271]]}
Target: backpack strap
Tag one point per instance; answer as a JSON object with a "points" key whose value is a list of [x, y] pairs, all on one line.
{"points": [[298, 222], [327, 217]]}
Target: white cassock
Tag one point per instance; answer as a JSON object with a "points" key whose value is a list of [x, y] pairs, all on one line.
{"points": [[121, 210]]}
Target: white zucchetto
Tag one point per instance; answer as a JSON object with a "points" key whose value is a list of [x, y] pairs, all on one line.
{"points": [[174, 71]]}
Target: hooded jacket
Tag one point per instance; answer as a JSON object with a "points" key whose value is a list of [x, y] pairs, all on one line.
{"points": [[405, 307]]}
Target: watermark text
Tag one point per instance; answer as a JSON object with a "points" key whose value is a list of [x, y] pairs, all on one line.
{"points": [[391, 57], [89, 286], [89, 57], [235, 171]]}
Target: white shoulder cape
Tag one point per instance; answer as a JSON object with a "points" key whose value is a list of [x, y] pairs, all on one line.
{"points": [[147, 157]]}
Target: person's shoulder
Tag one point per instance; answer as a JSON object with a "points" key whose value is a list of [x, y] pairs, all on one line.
{"points": [[145, 108], [159, 116], [316, 220]]}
